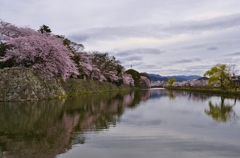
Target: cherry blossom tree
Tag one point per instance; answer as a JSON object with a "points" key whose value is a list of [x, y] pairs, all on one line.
{"points": [[40, 51], [146, 81], [127, 79], [89, 68], [55, 55], [156, 83], [198, 83], [191, 83], [86, 68], [135, 75], [177, 84], [107, 65]]}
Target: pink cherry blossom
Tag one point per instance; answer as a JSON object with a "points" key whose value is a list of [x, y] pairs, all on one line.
{"points": [[146, 81], [43, 52]]}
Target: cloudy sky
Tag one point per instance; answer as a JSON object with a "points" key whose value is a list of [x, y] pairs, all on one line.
{"points": [[166, 37]]}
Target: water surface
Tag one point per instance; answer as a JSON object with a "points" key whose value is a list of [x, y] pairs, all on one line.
{"points": [[149, 123]]}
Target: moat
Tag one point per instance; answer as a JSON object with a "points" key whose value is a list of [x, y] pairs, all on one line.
{"points": [[146, 123]]}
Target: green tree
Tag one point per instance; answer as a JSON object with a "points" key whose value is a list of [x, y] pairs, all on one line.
{"points": [[72, 46], [3, 49], [171, 95], [171, 81], [144, 74], [108, 65], [221, 112], [45, 29], [220, 74], [135, 75]]}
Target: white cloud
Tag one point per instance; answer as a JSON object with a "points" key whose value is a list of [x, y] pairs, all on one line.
{"points": [[182, 30]]}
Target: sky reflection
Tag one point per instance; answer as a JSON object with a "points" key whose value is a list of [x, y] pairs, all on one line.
{"points": [[166, 127], [150, 123]]}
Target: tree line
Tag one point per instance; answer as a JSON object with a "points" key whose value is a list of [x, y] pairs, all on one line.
{"points": [[57, 56], [220, 76]]}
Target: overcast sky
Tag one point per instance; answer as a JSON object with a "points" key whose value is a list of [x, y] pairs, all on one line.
{"points": [[166, 37]]}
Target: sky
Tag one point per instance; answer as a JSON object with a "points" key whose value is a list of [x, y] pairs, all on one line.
{"points": [[166, 37]]}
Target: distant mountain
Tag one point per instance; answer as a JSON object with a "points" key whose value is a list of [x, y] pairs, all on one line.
{"points": [[156, 77], [184, 78]]}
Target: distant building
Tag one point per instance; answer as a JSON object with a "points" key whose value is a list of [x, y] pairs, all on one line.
{"points": [[236, 80]]}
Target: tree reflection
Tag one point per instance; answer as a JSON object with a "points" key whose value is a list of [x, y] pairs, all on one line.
{"points": [[48, 128], [221, 112], [145, 94], [171, 95]]}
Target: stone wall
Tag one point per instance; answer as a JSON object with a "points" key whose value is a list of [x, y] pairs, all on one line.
{"points": [[23, 84]]}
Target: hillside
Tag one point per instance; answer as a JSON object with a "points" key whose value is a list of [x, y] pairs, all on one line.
{"points": [[157, 77]]}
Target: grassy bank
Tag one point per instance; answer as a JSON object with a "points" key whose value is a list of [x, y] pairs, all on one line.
{"points": [[79, 87], [22, 84], [208, 90]]}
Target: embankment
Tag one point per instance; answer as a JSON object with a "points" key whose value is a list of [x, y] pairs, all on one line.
{"points": [[23, 84], [210, 91]]}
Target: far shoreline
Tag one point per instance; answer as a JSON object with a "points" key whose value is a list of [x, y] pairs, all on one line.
{"points": [[207, 91]]}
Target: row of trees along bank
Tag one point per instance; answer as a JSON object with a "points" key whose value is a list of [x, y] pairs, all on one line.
{"points": [[219, 77], [57, 56]]}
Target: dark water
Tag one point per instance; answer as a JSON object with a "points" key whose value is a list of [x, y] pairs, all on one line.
{"points": [[142, 124]]}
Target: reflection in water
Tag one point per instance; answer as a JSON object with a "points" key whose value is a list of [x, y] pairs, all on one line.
{"points": [[49, 128], [30, 128], [190, 95], [222, 112], [171, 95]]}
